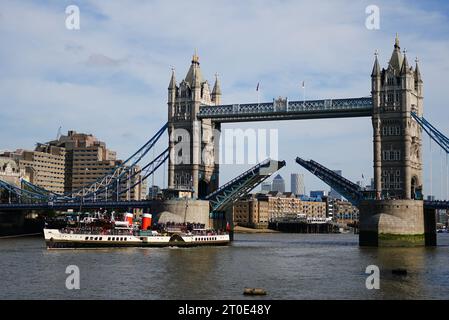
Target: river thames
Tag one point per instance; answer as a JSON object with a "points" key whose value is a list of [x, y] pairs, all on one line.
{"points": [[288, 266]]}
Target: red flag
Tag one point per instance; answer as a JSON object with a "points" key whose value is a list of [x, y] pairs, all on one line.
{"points": [[228, 227]]}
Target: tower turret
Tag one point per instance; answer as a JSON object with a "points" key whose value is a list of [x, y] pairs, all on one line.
{"points": [[396, 56], [216, 91], [418, 79], [172, 88]]}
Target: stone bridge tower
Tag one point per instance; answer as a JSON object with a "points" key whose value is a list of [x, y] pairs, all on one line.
{"points": [[398, 160], [396, 217], [192, 147]]}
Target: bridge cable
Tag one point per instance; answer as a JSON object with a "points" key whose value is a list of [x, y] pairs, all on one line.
{"points": [[431, 186], [441, 176], [447, 179]]}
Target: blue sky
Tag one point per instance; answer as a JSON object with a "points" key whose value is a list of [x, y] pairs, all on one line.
{"points": [[110, 77]]}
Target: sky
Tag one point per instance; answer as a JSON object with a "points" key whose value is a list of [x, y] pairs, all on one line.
{"points": [[110, 77]]}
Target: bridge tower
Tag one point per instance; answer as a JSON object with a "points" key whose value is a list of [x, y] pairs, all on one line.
{"points": [[396, 216], [398, 161], [192, 147]]}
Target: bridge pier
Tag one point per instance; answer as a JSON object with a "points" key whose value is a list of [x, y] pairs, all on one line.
{"points": [[387, 223], [430, 230]]}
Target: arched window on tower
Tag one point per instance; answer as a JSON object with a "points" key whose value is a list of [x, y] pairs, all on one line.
{"points": [[390, 80]]}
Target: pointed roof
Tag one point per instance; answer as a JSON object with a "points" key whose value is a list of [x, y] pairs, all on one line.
{"points": [[376, 67], [194, 76], [172, 84], [405, 67], [396, 56], [417, 72], [216, 91]]}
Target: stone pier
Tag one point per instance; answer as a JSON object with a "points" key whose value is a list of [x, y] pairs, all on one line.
{"points": [[180, 211], [385, 223]]}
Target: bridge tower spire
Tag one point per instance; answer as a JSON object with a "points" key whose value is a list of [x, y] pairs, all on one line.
{"points": [[191, 140], [216, 91]]}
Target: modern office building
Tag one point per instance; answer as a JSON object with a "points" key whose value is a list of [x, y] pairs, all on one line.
{"points": [[265, 187], [278, 184], [88, 159], [297, 184], [44, 167], [71, 162]]}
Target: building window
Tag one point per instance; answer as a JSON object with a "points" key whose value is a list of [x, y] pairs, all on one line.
{"points": [[391, 131], [390, 97]]}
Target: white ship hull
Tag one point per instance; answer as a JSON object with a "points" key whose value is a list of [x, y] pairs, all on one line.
{"points": [[56, 239]]}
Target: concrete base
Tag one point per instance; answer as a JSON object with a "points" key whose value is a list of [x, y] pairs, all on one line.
{"points": [[180, 211], [385, 223]]}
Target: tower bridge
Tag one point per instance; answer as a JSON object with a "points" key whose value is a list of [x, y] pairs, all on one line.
{"points": [[195, 113]]}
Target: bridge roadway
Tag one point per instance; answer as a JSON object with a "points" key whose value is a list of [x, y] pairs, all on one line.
{"points": [[76, 205], [282, 109]]}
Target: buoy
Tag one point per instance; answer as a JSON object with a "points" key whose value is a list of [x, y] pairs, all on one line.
{"points": [[254, 292], [399, 272]]}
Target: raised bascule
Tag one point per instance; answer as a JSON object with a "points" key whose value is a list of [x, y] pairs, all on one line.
{"points": [[393, 214]]}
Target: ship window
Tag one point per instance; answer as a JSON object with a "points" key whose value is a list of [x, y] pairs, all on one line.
{"points": [[121, 239], [126, 239], [109, 238], [95, 238], [101, 238], [87, 238], [91, 238], [113, 238], [141, 238]]}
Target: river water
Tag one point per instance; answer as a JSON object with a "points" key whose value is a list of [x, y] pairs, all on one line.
{"points": [[288, 266]]}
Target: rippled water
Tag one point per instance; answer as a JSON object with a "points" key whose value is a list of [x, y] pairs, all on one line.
{"points": [[288, 266]]}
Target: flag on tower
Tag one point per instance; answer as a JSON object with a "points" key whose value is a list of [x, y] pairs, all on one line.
{"points": [[303, 84], [257, 88]]}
